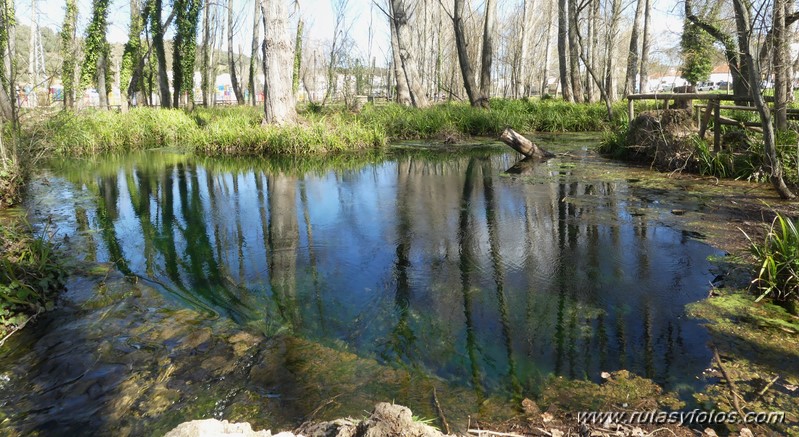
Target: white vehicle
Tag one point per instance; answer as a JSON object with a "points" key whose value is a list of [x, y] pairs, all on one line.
{"points": [[706, 86]]}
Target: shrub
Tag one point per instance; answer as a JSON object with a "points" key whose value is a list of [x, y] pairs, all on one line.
{"points": [[778, 261]]}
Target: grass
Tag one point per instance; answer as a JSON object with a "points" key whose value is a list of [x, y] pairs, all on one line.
{"points": [[30, 273], [778, 260], [238, 131]]}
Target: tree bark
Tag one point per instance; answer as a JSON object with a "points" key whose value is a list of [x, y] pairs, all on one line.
{"points": [[744, 26], [102, 90], [547, 54], [644, 72], [574, 53], [279, 103], [632, 54], [403, 93], [469, 83], [295, 77], [563, 32], [206, 54], [254, 53], [487, 52], [401, 21], [160, 53], [609, 79], [781, 66], [521, 77], [231, 60]]}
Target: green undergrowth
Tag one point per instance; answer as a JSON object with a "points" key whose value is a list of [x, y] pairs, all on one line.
{"points": [[757, 343], [238, 130], [30, 273], [742, 156]]}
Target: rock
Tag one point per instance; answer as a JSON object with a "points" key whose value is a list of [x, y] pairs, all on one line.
{"points": [[709, 432], [386, 420], [216, 428], [530, 408], [746, 432]]}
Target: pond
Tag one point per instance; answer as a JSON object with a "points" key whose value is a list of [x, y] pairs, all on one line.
{"points": [[438, 268]]}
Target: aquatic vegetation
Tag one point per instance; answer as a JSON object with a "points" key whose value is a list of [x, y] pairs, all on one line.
{"points": [[29, 273], [778, 260]]}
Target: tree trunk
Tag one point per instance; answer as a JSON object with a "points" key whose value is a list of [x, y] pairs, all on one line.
{"points": [[521, 77], [487, 52], [592, 54], [102, 90], [254, 54], [644, 72], [744, 26], [177, 61], [205, 66], [574, 53], [563, 32], [463, 57], [231, 60], [547, 54], [403, 93], [632, 54], [295, 78], [158, 43], [609, 79], [279, 103], [781, 66], [401, 21], [68, 38]]}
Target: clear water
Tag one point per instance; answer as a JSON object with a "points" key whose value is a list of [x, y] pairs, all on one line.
{"points": [[440, 263]]}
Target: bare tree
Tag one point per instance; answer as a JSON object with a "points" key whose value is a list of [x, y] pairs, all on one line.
{"points": [[279, 103], [521, 79], [256, 15], [475, 98], [574, 52], [487, 52], [234, 80], [632, 54], [744, 26], [644, 71], [400, 16], [563, 53]]}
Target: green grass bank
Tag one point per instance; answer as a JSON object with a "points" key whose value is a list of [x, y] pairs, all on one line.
{"points": [[238, 130]]}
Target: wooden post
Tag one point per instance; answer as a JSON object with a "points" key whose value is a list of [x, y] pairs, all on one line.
{"points": [[716, 126], [706, 116], [630, 109]]}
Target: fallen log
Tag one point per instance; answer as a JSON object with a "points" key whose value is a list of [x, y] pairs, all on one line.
{"points": [[522, 145]]}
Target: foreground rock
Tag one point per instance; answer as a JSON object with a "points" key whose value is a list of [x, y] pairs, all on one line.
{"points": [[213, 427], [386, 420]]}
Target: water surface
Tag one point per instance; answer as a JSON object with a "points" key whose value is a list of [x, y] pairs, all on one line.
{"points": [[439, 264]]}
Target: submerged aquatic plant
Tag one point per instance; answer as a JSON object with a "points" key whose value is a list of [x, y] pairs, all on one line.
{"points": [[778, 261]]}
